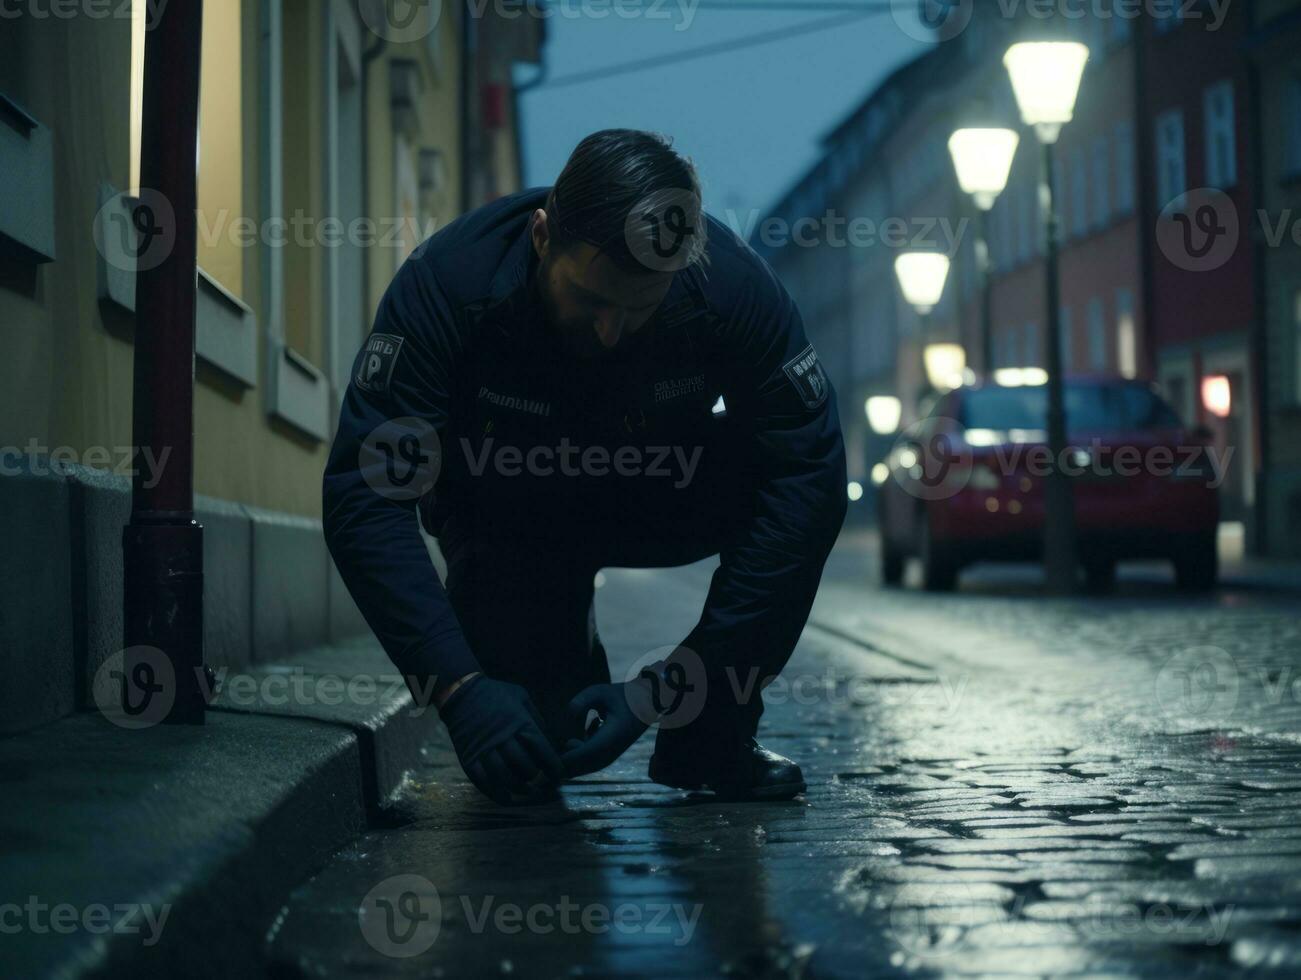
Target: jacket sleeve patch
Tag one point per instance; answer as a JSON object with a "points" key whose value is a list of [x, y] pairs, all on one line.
{"points": [[808, 377], [376, 362]]}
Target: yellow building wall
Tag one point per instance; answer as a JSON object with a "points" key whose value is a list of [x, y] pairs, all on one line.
{"points": [[66, 375]]}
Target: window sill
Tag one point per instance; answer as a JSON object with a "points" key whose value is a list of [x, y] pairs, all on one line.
{"points": [[27, 191], [300, 393]]}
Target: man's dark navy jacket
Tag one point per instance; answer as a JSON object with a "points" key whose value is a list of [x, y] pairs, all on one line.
{"points": [[460, 344]]}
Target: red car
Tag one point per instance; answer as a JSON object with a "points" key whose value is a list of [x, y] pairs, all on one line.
{"points": [[966, 483]]}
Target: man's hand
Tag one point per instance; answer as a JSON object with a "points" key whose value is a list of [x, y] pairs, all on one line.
{"points": [[626, 711], [499, 740]]}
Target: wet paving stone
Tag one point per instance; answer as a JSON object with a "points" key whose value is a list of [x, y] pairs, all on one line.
{"points": [[1030, 808]]}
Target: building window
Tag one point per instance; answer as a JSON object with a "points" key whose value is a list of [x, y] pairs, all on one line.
{"points": [[1126, 335], [221, 136], [1097, 335], [1292, 128], [1025, 222], [1007, 345], [1171, 176], [1079, 192], [1124, 168], [1002, 229], [1031, 349], [1221, 157], [1101, 183]]}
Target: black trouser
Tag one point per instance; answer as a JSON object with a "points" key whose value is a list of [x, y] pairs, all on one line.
{"points": [[522, 586]]}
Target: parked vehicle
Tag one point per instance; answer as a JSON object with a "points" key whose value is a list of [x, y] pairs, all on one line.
{"points": [[966, 483]]}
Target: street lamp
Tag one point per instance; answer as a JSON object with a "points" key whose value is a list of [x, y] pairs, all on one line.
{"points": [[921, 277], [982, 157], [944, 363], [883, 414], [1046, 79]]}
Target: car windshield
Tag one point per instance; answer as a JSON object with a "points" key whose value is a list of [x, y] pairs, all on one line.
{"points": [[1089, 408]]}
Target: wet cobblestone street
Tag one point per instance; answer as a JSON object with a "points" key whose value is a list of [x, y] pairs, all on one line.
{"points": [[999, 784]]}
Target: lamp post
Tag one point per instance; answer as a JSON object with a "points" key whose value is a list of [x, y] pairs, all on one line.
{"points": [[1046, 79], [921, 278], [982, 158]]}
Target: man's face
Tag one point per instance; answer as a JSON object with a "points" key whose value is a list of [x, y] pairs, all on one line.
{"points": [[594, 306]]}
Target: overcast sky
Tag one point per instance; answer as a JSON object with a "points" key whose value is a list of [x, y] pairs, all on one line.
{"points": [[750, 117]]}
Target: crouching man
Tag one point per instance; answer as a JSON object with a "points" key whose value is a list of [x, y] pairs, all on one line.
{"points": [[590, 375]]}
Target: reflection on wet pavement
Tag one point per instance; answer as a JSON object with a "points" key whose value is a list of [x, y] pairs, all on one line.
{"points": [[997, 787]]}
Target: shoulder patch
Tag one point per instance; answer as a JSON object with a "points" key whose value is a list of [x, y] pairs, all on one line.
{"points": [[376, 362], [808, 377]]}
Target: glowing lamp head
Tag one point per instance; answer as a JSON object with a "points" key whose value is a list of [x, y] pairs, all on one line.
{"points": [[883, 413], [1046, 79], [1217, 395], [945, 365], [983, 158], [921, 277]]}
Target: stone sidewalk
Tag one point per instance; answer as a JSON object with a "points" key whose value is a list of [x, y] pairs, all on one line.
{"points": [[999, 785]]}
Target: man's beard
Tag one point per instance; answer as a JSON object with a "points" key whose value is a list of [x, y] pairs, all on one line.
{"points": [[576, 338]]}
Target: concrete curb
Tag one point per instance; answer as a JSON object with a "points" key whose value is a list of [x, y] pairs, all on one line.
{"points": [[214, 823], [270, 589]]}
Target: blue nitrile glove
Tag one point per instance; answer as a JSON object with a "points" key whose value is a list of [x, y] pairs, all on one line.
{"points": [[498, 737], [625, 710]]}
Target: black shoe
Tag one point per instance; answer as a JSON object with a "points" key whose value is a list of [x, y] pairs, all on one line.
{"points": [[753, 774]]}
